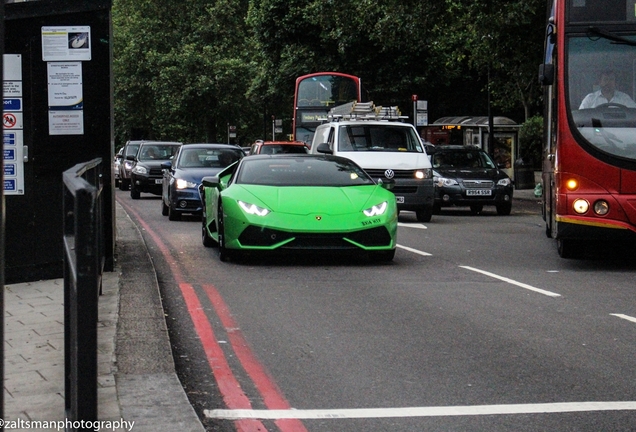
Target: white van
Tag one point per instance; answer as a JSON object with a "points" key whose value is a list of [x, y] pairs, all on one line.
{"points": [[385, 149]]}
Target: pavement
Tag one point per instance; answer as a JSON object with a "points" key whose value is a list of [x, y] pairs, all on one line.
{"points": [[138, 388], [137, 381]]}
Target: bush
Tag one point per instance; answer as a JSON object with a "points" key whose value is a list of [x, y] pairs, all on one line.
{"points": [[531, 141]]}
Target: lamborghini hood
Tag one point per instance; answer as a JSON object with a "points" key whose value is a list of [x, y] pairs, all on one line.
{"points": [[308, 200]]}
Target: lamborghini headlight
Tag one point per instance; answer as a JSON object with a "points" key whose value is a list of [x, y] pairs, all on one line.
{"points": [[184, 184], [253, 209], [376, 210]]}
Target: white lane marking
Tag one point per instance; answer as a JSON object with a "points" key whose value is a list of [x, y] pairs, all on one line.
{"points": [[412, 225], [625, 317], [419, 252], [514, 282], [539, 408]]}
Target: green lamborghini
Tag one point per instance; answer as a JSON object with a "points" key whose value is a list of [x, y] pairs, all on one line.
{"points": [[297, 202]]}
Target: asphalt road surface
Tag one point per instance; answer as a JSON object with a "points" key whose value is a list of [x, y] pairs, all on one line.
{"points": [[477, 325]]}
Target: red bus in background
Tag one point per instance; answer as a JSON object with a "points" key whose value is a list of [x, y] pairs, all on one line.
{"points": [[589, 155], [315, 95]]}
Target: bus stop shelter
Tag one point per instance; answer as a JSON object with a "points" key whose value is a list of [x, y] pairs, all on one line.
{"points": [[469, 130]]}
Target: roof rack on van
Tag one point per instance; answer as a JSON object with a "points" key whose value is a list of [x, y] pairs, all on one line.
{"points": [[364, 111]]}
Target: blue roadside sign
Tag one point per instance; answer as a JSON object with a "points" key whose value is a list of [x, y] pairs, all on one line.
{"points": [[14, 104]]}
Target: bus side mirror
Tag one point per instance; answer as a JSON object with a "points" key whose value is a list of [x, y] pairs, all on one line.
{"points": [[546, 74]]}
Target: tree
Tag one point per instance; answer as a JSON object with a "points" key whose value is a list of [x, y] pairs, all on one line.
{"points": [[531, 141], [189, 83], [500, 39]]}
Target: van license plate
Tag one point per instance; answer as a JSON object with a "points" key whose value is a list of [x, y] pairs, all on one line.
{"points": [[399, 199], [478, 192], [158, 181]]}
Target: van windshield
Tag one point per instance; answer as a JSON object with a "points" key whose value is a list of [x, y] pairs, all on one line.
{"points": [[382, 137]]}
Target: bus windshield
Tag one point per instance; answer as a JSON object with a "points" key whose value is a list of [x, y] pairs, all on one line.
{"points": [[315, 94], [326, 91], [601, 83]]}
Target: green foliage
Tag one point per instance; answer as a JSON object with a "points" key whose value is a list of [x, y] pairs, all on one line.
{"points": [[531, 140], [185, 70]]}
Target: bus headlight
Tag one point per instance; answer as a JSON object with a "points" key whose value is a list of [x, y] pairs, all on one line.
{"points": [[581, 206], [601, 207]]}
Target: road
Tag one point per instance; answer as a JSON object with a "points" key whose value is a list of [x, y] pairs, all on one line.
{"points": [[477, 325]]}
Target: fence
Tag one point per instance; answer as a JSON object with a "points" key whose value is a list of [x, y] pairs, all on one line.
{"points": [[84, 258]]}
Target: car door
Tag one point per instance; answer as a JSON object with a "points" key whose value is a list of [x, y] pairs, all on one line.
{"points": [[168, 177]]}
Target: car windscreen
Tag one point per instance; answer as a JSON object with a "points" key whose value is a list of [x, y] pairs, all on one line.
{"points": [[462, 159], [156, 152], [131, 149], [385, 137], [301, 172], [208, 157]]}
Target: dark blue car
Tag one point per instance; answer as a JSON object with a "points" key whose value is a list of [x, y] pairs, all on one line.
{"points": [[182, 175]]}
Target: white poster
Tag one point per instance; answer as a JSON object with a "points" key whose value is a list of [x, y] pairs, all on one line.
{"points": [[66, 102], [65, 85], [66, 122], [66, 43]]}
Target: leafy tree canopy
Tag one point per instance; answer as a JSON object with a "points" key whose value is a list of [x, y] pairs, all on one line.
{"points": [[187, 70]]}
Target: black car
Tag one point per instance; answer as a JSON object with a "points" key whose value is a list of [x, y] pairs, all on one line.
{"points": [[146, 174], [182, 175], [125, 165], [467, 176]]}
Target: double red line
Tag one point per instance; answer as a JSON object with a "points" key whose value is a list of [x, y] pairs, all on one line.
{"points": [[228, 385]]}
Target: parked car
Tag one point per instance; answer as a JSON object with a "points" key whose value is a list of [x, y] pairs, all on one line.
{"points": [[182, 175], [117, 160], [297, 202], [146, 174], [468, 176], [277, 147]]}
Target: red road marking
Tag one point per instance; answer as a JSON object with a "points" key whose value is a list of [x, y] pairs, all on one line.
{"points": [[233, 395], [272, 396]]}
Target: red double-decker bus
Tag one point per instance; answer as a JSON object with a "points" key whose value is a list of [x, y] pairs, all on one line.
{"points": [[589, 164], [316, 94]]}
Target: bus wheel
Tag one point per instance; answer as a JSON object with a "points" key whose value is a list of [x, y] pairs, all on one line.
{"points": [[568, 248]]}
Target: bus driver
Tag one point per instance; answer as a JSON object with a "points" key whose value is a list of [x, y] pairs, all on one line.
{"points": [[607, 93]]}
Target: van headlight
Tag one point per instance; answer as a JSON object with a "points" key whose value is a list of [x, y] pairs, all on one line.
{"points": [[423, 173]]}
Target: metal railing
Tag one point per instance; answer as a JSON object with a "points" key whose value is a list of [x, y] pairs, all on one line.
{"points": [[83, 268]]}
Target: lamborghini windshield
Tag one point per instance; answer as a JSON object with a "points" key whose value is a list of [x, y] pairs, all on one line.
{"points": [[301, 171]]}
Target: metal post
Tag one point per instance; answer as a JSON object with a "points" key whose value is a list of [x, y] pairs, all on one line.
{"points": [[273, 128], [491, 127]]}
